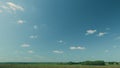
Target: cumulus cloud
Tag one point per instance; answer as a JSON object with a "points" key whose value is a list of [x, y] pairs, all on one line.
{"points": [[100, 34], [88, 32], [58, 52], [25, 45], [77, 48], [14, 6], [30, 51], [20, 22]]}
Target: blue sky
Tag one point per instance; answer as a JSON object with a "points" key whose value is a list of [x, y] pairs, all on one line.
{"points": [[59, 30]]}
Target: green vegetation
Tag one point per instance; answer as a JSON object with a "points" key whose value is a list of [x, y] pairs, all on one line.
{"points": [[93, 63], [99, 62], [54, 66], [85, 64]]}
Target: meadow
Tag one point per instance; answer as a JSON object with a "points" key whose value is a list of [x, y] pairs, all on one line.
{"points": [[54, 66]]}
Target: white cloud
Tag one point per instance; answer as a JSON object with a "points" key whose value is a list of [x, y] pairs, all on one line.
{"points": [[30, 51], [61, 42], [35, 27], [10, 7], [25, 45], [58, 52], [77, 48], [88, 32], [14, 7], [33, 36], [101, 34], [4, 7], [20, 22]]}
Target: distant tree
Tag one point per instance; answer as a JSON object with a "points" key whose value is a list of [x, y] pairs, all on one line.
{"points": [[99, 62], [111, 63], [71, 63], [117, 63]]}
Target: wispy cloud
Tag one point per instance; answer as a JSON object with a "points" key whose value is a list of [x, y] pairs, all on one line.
{"points": [[4, 7], [115, 46], [88, 32], [61, 42], [33, 37], [10, 7], [30, 51], [25, 45], [107, 28], [14, 6], [58, 52], [35, 27], [1, 11], [100, 34], [77, 48], [106, 51], [117, 38]]}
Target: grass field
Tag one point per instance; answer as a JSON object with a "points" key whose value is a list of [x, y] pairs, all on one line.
{"points": [[52, 66]]}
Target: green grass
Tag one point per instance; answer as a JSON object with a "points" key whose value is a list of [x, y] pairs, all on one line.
{"points": [[53, 66]]}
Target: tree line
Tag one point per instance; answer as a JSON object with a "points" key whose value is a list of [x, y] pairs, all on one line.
{"points": [[98, 62]]}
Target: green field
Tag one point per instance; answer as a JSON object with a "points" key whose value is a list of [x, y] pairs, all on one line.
{"points": [[53, 66]]}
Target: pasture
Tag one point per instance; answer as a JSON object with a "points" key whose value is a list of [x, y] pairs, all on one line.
{"points": [[54, 66]]}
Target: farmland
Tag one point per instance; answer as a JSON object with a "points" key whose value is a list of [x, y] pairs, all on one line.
{"points": [[54, 66]]}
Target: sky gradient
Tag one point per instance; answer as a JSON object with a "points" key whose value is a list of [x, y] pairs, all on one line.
{"points": [[59, 30]]}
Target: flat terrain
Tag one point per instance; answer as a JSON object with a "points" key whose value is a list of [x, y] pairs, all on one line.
{"points": [[52, 66]]}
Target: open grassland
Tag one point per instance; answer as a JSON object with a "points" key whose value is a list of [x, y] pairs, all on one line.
{"points": [[53, 66]]}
